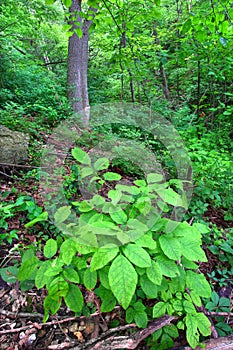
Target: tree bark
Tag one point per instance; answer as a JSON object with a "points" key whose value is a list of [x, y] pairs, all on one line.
{"points": [[78, 61]]}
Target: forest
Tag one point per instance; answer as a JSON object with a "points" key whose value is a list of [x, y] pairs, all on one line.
{"points": [[116, 191]]}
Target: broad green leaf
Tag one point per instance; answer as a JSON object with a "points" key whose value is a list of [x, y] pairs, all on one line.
{"points": [[128, 189], [153, 178], [167, 266], [90, 279], [83, 206], [192, 334], [51, 304], [62, 214], [67, 3], [115, 196], [146, 241], [191, 249], [103, 275], [74, 298], [101, 164], [154, 273], [41, 217], [159, 309], [49, 2], [170, 246], [140, 183], [85, 171], [195, 298], [107, 298], [137, 255], [9, 274], [118, 215], [203, 324], [189, 307], [110, 176], [68, 250], [79, 33], [122, 280], [57, 287], [148, 287], [141, 319], [71, 275], [102, 257], [129, 315], [41, 279], [28, 268], [198, 283], [169, 196], [97, 201], [81, 156], [50, 248]]}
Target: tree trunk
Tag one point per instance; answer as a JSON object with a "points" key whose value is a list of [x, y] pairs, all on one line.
{"points": [[78, 61]]}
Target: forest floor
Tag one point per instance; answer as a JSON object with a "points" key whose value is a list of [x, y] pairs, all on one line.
{"points": [[21, 313]]}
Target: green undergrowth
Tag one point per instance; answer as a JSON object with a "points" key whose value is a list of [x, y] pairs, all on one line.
{"points": [[121, 248]]}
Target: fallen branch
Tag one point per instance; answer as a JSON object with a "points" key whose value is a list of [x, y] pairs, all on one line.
{"points": [[124, 342], [223, 343]]}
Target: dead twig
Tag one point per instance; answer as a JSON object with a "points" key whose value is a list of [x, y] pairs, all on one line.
{"points": [[124, 342]]}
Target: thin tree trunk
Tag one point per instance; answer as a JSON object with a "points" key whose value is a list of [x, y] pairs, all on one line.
{"points": [[161, 69], [78, 62]]}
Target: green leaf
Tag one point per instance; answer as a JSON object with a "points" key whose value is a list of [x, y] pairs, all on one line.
{"points": [[159, 309], [81, 156], [191, 249], [195, 298], [101, 164], [90, 279], [148, 287], [49, 2], [153, 178], [41, 279], [154, 273], [170, 246], [129, 316], [107, 298], [141, 319], [58, 287], [79, 33], [67, 3], [192, 334], [83, 206], [118, 215], [50, 248], [85, 171], [41, 217], [110, 176], [122, 280], [169, 196], [198, 283], [51, 304], [62, 214], [203, 324], [28, 268], [102, 257], [167, 266], [115, 196], [9, 274], [189, 307], [103, 275], [68, 250], [146, 241], [71, 275], [137, 255], [74, 298]]}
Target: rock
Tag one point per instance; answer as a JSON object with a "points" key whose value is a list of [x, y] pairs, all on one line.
{"points": [[13, 146]]}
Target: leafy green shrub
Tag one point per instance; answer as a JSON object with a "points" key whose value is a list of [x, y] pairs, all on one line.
{"points": [[122, 249]]}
